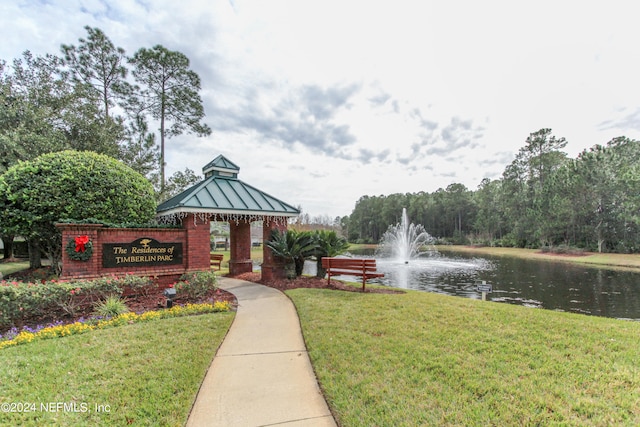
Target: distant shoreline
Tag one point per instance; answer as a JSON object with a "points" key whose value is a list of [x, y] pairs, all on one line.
{"points": [[629, 262], [587, 259]]}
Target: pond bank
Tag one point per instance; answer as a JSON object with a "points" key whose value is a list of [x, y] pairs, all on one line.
{"points": [[588, 259]]}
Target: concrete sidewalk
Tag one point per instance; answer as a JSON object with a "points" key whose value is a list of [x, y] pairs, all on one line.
{"points": [[261, 374]]}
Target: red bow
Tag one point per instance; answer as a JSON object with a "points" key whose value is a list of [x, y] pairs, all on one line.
{"points": [[81, 241]]}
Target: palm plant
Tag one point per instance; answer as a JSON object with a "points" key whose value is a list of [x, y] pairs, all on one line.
{"points": [[293, 247], [328, 244]]}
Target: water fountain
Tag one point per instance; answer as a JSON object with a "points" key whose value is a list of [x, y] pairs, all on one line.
{"points": [[409, 260], [405, 241]]}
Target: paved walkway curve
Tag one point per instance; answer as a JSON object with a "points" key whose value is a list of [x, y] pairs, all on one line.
{"points": [[261, 374]]}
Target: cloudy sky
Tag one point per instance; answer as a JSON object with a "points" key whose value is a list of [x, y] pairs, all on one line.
{"points": [[323, 101]]}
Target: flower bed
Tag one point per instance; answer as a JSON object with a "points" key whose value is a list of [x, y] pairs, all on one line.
{"points": [[26, 335], [30, 304]]}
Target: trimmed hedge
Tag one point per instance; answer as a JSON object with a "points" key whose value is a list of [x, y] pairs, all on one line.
{"points": [[107, 224], [37, 194]]}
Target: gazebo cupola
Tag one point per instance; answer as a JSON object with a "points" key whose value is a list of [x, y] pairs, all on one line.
{"points": [[221, 166], [221, 196]]}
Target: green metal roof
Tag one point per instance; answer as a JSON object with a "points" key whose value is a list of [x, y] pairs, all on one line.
{"points": [[221, 192], [221, 166]]}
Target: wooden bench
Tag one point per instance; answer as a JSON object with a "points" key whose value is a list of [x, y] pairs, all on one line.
{"points": [[216, 260], [365, 268]]}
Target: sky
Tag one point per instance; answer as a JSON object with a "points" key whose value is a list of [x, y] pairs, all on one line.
{"points": [[321, 102]]}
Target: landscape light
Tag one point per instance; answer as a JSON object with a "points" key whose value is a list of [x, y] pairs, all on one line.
{"points": [[170, 293]]}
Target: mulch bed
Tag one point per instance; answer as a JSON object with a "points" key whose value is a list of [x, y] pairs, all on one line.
{"points": [[154, 298], [312, 282]]}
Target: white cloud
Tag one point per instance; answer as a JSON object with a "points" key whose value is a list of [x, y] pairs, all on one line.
{"points": [[321, 102]]}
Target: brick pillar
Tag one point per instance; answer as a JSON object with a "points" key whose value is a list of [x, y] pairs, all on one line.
{"points": [[271, 268], [198, 243], [80, 269], [240, 239]]}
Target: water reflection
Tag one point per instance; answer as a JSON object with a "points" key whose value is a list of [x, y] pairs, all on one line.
{"points": [[548, 285]]}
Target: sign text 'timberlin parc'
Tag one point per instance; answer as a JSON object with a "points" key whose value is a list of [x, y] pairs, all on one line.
{"points": [[141, 252]]}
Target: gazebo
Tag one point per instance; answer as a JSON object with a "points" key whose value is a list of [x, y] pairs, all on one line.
{"points": [[221, 196]]}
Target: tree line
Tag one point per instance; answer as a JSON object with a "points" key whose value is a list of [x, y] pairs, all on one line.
{"points": [[93, 97], [544, 199]]}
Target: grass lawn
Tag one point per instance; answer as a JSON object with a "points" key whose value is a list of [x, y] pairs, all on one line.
{"points": [[7, 268], [428, 359], [142, 374]]}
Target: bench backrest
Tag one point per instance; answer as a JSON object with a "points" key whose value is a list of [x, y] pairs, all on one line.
{"points": [[216, 257], [366, 268], [356, 264]]}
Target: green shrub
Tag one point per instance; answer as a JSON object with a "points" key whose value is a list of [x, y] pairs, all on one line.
{"points": [[72, 296], [194, 286], [112, 306], [328, 244], [70, 184], [562, 250], [138, 285], [20, 300]]}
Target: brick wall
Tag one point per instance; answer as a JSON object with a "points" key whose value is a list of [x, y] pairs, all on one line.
{"points": [[193, 236]]}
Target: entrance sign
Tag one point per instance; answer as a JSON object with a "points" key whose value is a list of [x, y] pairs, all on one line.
{"points": [[141, 252], [165, 253]]}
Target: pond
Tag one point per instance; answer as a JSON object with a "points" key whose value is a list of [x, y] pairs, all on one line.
{"points": [[549, 285]]}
